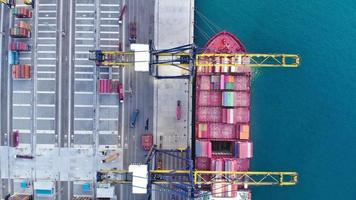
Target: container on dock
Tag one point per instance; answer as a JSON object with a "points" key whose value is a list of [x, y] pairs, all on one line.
{"points": [[21, 12], [18, 32], [20, 197], [243, 149], [209, 98], [19, 46], [24, 25], [13, 57], [202, 163], [203, 148], [208, 114], [21, 71], [105, 86], [81, 198]]}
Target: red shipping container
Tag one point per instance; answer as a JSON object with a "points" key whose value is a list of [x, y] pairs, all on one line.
{"points": [[204, 83], [209, 98], [242, 115], [22, 71], [242, 99], [101, 84], [242, 83], [27, 71], [202, 130], [242, 164], [109, 85], [16, 71], [245, 149], [222, 188], [217, 164], [202, 163], [222, 131], [209, 114]]}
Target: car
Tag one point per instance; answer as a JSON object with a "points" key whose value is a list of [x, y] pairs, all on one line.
{"points": [[133, 118], [120, 91]]}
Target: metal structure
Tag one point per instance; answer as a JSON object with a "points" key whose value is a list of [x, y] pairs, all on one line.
{"points": [[179, 57], [186, 181]]}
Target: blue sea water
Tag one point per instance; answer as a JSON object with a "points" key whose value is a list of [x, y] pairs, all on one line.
{"points": [[302, 119]]}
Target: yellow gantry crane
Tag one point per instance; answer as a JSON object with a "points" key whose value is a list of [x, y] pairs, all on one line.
{"points": [[188, 179]]}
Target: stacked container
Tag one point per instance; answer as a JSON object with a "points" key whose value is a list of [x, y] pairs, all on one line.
{"points": [[21, 71], [22, 12], [222, 117], [19, 46], [105, 86], [21, 29], [18, 32]]}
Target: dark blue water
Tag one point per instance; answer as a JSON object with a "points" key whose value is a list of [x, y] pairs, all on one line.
{"points": [[303, 119]]}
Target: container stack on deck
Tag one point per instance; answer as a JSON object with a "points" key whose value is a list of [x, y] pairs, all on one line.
{"points": [[222, 122], [20, 33]]}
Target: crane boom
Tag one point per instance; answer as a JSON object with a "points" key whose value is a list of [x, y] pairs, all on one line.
{"points": [[249, 178], [118, 58]]}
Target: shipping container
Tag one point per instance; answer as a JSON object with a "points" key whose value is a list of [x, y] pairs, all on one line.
{"points": [[208, 114], [105, 86], [13, 57], [243, 149], [244, 132], [18, 32], [19, 46], [24, 25], [202, 163], [203, 82], [234, 99], [81, 198], [21, 12], [223, 189], [203, 148], [20, 197], [21, 71], [222, 131], [209, 98]]}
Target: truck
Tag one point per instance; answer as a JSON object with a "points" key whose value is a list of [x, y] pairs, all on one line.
{"points": [[147, 141], [133, 118], [120, 91], [132, 32]]}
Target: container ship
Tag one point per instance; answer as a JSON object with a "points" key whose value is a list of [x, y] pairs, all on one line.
{"points": [[222, 117]]}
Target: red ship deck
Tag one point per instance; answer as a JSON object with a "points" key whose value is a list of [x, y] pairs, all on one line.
{"points": [[222, 110]]}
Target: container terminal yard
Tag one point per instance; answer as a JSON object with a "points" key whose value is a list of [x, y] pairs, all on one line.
{"points": [[112, 99]]}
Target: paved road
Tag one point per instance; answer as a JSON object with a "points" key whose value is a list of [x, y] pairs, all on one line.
{"points": [[141, 84]]}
